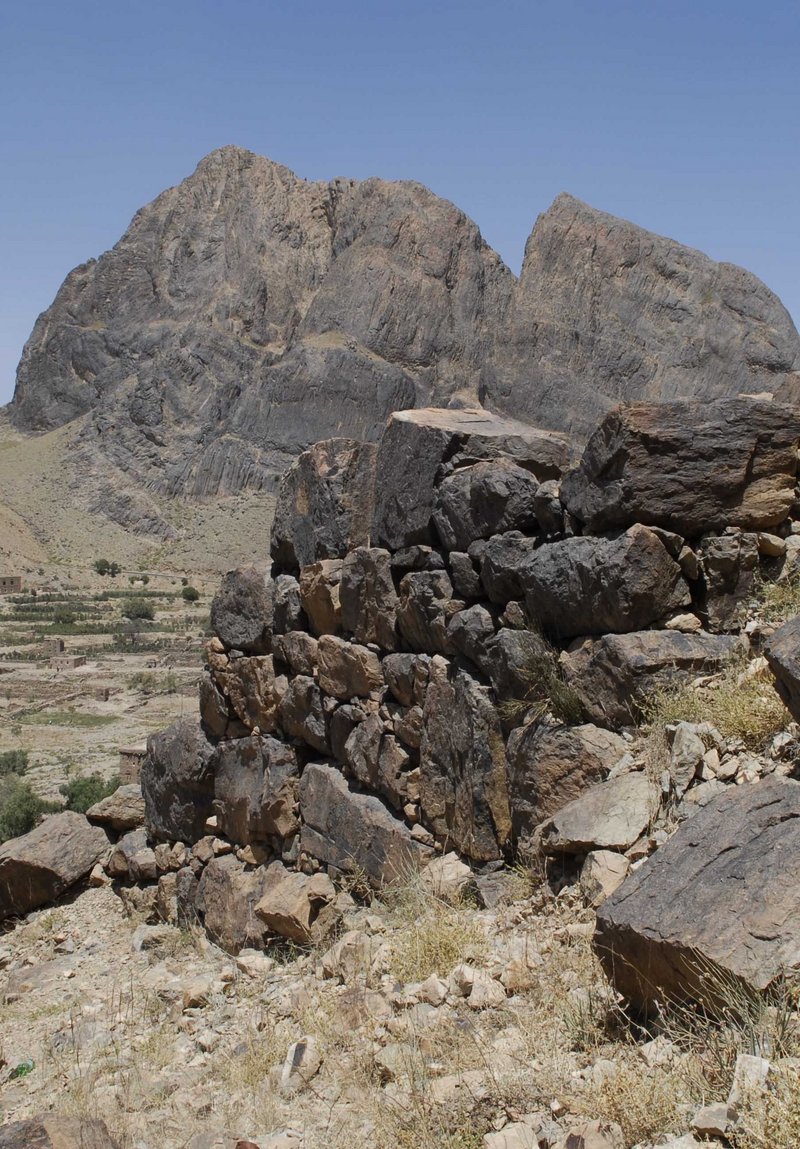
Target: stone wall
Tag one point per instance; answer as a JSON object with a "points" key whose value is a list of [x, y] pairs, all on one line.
{"points": [[458, 629]]}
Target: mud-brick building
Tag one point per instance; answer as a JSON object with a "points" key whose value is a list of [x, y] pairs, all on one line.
{"points": [[10, 584]]}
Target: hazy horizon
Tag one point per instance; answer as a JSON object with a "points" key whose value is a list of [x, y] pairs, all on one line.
{"points": [[683, 121]]}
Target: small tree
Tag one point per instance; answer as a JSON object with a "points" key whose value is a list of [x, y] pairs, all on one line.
{"points": [[102, 566], [137, 608], [190, 594]]}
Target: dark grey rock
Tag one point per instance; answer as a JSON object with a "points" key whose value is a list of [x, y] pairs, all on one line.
{"points": [[463, 780], [422, 610], [613, 675], [690, 467], [596, 586], [729, 564], [717, 905], [416, 443], [302, 714], [288, 613], [324, 504], [465, 576], [226, 898], [782, 652], [484, 500], [241, 612], [255, 790], [377, 761], [368, 597], [550, 766], [178, 783], [407, 677], [469, 631], [501, 562], [297, 650]]}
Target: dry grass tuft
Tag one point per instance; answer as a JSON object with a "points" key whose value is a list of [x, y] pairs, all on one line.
{"points": [[433, 935], [646, 1103], [740, 704], [771, 1119], [778, 601]]}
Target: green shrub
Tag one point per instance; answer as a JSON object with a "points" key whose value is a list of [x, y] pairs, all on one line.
{"points": [[63, 616], [20, 808], [190, 594], [102, 566], [13, 762], [138, 608], [84, 791]]}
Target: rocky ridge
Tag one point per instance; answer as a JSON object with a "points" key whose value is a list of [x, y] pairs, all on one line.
{"points": [[247, 313]]}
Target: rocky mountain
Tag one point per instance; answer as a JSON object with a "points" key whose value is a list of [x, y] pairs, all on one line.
{"points": [[247, 313]]}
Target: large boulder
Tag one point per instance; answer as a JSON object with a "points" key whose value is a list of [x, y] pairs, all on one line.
{"points": [[596, 586], [368, 597], [611, 816], [38, 867], [415, 445], [718, 904], [783, 655], [227, 897], [123, 810], [551, 766], [423, 610], [690, 467], [324, 504], [292, 905], [347, 669], [178, 782], [354, 833], [613, 675], [54, 1131], [241, 612], [256, 781], [252, 692], [501, 562], [483, 500], [463, 781]]}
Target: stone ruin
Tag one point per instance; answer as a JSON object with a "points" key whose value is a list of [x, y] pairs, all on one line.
{"points": [[461, 625]]}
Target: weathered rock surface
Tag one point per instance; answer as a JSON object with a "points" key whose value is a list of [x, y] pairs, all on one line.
{"points": [[423, 610], [347, 669], [613, 675], [52, 1131], [39, 866], [120, 811], [178, 782], [241, 612], [227, 897], [551, 766], [463, 781], [596, 586], [783, 655], [324, 503], [251, 690], [319, 595], [291, 906], [255, 789], [354, 832], [483, 500], [414, 447], [611, 816], [368, 598], [720, 900], [606, 311], [690, 467]]}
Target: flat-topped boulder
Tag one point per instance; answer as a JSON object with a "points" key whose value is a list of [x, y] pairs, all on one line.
{"points": [[719, 903], [614, 674], [416, 444], [38, 867], [688, 466]]}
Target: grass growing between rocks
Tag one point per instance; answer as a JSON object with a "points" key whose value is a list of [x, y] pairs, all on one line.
{"points": [[740, 702], [776, 601], [435, 934], [547, 691]]}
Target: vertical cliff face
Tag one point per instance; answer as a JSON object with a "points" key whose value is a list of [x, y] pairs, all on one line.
{"points": [[247, 313]]}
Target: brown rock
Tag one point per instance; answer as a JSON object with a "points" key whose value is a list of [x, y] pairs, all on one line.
{"points": [[227, 896], [688, 466], [291, 906], [347, 670], [52, 1131], [319, 595], [38, 867], [256, 781], [368, 597], [719, 903], [122, 810], [252, 691], [783, 655], [611, 816], [302, 714]]}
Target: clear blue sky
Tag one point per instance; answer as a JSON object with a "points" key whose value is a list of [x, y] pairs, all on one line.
{"points": [[682, 116]]}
